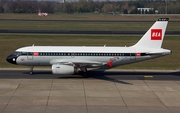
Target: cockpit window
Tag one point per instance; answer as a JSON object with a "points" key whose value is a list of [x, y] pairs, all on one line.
{"points": [[19, 53]]}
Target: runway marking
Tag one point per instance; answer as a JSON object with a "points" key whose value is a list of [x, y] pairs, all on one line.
{"points": [[148, 76]]}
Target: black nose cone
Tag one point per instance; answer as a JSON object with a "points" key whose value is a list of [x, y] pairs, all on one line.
{"points": [[11, 59]]}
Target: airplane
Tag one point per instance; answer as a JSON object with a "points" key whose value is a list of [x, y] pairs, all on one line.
{"points": [[67, 60]]}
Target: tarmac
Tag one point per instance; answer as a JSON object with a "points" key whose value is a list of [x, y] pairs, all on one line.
{"points": [[112, 91]]}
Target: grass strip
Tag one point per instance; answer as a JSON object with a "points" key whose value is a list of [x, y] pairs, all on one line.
{"points": [[93, 26]]}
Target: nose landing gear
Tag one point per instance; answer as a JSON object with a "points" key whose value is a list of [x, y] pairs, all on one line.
{"points": [[31, 70]]}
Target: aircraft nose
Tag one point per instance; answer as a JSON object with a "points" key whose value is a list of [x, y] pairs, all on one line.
{"points": [[11, 59]]}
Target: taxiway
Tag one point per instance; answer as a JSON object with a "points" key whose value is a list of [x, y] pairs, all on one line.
{"points": [[112, 91]]}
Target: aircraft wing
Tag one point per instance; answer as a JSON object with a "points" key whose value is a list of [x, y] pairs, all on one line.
{"points": [[77, 62]]}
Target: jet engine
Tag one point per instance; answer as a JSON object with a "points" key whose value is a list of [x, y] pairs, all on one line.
{"points": [[64, 69]]}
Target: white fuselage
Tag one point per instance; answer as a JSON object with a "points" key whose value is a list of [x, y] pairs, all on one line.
{"points": [[47, 55]]}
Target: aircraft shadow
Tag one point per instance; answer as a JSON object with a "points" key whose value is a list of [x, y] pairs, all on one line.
{"points": [[138, 75]]}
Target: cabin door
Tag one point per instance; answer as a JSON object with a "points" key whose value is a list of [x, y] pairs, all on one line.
{"points": [[30, 54]]}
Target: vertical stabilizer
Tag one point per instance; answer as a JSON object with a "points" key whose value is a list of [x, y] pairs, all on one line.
{"points": [[153, 38]]}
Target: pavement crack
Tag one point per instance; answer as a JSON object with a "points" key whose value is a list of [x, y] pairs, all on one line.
{"points": [[121, 97], [11, 96], [85, 97], [49, 96]]}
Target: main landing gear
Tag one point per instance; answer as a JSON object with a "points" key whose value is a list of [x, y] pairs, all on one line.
{"points": [[31, 70], [84, 72]]}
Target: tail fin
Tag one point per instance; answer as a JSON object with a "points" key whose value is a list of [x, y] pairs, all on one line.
{"points": [[153, 38]]}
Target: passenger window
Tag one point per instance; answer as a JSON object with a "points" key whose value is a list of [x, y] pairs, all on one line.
{"points": [[23, 53], [30, 53]]}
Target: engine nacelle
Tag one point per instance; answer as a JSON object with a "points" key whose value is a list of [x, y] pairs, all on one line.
{"points": [[64, 69]]}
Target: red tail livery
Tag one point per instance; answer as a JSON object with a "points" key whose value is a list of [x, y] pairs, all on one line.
{"points": [[156, 34]]}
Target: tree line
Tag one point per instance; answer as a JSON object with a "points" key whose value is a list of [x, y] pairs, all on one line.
{"points": [[84, 6]]}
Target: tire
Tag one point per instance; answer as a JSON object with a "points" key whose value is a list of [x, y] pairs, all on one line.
{"points": [[85, 75], [31, 73]]}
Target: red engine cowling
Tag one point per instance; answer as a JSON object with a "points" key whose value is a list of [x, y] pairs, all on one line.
{"points": [[64, 69]]}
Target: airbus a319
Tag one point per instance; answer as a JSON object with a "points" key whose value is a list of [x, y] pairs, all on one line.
{"points": [[73, 59]]}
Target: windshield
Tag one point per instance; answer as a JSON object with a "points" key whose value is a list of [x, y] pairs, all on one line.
{"points": [[17, 53]]}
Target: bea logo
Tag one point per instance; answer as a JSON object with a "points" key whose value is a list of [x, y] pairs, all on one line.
{"points": [[156, 34]]}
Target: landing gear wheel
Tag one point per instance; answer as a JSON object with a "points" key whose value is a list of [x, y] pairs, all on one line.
{"points": [[31, 70], [84, 73]]}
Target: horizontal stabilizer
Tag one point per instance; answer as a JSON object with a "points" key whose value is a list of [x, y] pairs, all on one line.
{"points": [[164, 51]]}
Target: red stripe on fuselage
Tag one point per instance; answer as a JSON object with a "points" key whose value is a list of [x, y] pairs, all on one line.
{"points": [[109, 63], [36, 54]]}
